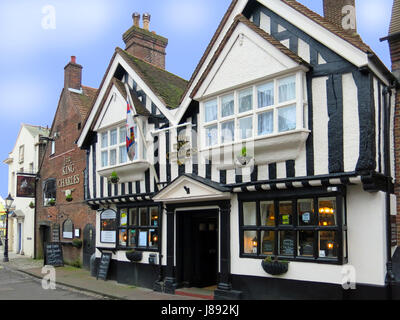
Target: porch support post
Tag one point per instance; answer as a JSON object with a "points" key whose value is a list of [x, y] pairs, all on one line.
{"points": [[170, 279], [224, 289]]}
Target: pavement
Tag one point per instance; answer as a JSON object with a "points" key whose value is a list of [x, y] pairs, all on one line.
{"points": [[81, 281]]}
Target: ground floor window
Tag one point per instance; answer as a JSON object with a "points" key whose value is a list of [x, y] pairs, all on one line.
{"points": [[309, 227], [139, 227]]}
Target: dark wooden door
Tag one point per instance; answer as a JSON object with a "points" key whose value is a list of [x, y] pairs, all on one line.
{"points": [[197, 249], [89, 244]]}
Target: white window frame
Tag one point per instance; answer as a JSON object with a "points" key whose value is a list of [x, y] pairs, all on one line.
{"points": [[299, 102], [139, 155]]}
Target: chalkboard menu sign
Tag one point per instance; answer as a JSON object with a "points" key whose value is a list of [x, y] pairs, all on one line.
{"points": [[287, 247], [53, 254], [104, 266]]}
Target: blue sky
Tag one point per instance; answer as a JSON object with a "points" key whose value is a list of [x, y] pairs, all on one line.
{"points": [[32, 58]]}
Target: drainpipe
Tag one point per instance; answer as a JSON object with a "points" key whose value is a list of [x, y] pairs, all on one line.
{"points": [[387, 111]]}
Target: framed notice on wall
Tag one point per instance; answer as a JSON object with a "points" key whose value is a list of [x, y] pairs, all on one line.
{"points": [[108, 224]]}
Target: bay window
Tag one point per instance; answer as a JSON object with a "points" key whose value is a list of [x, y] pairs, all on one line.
{"points": [[309, 227], [264, 109], [113, 147]]}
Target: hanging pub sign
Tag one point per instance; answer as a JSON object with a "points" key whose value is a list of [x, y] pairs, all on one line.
{"points": [[25, 186]]}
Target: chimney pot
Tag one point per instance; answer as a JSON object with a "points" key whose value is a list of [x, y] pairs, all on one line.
{"points": [[146, 21], [136, 19], [73, 59]]}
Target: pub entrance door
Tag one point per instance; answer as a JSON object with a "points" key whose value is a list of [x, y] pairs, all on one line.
{"points": [[89, 244], [197, 248]]}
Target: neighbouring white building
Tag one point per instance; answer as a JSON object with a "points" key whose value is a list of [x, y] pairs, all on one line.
{"points": [[23, 164]]}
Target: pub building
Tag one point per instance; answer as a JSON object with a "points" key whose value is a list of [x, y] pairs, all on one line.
{"points": [[62, 216], [269, 174]]}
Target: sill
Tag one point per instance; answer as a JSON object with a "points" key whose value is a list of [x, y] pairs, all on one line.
{"points": [[262, 150], [132, 171]]}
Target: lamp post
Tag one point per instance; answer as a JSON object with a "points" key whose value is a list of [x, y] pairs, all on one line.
{"points": [[9, 201]]}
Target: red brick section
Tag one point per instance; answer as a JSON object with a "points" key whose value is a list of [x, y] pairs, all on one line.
{"points": [[394, 45], [67, 166], [73, 75]]}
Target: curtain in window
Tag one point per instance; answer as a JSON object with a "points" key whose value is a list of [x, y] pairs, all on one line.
{"points": [[211, 111], [113, 137], [228, 131], [246, 127], [287, 118], [245, 100], [104, 140], [227, 106], [266, 95], [287, 89], [104, 159], [266, 123], [212, 135]]}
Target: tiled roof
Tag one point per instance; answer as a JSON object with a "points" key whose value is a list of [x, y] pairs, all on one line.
{"points": [[36, 130], [167, 86], [354, 39], [84, 101], [395, 22], [260, 32], [138, 105]]}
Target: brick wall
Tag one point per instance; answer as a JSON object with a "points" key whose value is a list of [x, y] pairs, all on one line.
{"points": [[68, 161], [73, 75], [333, 10], [146, 45]]}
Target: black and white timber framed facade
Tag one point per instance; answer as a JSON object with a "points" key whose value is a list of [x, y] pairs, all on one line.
{"points": [[280, 145]]}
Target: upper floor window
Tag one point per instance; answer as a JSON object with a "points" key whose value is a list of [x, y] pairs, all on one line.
{"points": [[264, 109], [21, 154], [53, 147], [113, 147], [49, 191]]}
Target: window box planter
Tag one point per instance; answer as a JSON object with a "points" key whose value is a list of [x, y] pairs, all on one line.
{"points": [[134, 256], [274, 267], [51, 202], [133, 171]]}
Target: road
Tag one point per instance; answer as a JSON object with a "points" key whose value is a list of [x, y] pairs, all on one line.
{"points": [[19, 286]]}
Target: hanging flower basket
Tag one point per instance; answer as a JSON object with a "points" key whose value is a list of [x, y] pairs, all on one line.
{"points": [[52, 202], [274, 267], [114, 177], [68, 198], [134, 256], [31, 205]]}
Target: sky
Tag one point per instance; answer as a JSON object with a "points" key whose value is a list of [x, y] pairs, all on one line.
{"points": [[38, 38]]}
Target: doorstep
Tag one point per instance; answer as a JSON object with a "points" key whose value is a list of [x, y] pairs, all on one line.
{"points": [[202, 293]]}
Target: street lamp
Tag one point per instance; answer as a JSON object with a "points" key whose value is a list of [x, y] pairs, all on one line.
{"points": [[9, 201]]}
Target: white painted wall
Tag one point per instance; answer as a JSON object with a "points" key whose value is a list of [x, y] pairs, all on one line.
{"points": [[25, 138]]}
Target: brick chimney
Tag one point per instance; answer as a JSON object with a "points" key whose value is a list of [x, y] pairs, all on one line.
{"points": [[342, 13], [73, 75], [144, 44]]}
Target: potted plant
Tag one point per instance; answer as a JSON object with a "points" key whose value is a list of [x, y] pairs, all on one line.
{"points": [[31, 205], [274, 267], [77, 243], [243, 159], [134, 256], [52, 202], [68, 197], [114, 177]]}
